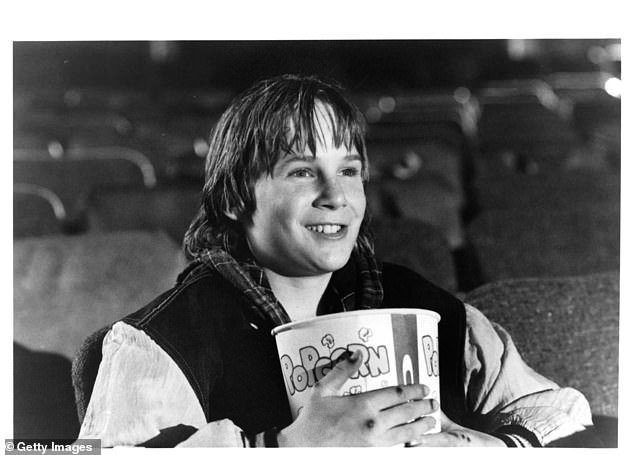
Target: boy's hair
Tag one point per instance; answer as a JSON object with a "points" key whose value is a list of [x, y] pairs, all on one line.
{"points": [[274, 117]]}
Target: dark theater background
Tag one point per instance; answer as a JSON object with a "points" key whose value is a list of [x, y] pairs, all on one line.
{"points": [[495, 172]]}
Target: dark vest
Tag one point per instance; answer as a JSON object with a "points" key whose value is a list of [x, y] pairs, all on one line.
{"points": [[229, 356]]}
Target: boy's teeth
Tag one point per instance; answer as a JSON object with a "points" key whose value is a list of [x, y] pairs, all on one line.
{"points": [[326, 228]]}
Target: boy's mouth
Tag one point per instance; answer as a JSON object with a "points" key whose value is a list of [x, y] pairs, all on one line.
{"points": [[328, 231], [326, 228]]}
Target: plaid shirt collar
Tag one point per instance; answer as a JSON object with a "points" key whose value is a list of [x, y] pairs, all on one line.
{"points": [[354, 287]]}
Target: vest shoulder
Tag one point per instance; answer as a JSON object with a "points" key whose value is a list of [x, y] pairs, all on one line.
{"points": [[403, 284], [199, 291]]}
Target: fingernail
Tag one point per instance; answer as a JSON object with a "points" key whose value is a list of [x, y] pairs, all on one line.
{"points": [[425, 390], [346, 355], [354, 356], [435, 405]]}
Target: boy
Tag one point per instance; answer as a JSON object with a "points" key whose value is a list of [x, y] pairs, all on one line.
{"points": [[282, 234]]}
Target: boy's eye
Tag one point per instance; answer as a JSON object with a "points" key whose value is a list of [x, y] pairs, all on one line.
{"points": [[303, 172], [350, 172]]}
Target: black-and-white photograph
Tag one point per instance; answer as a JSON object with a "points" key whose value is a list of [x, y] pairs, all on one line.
{"points": [[317, 242]]}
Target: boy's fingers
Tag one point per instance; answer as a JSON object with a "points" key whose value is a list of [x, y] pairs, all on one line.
{"points": [[345, 366], [407, 412], [395, 395], [412, 431]]}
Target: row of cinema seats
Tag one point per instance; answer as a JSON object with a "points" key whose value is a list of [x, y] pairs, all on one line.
{"points": [[464, 194], [428, 152], [514, 186]]}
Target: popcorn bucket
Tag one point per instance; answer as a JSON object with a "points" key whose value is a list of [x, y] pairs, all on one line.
{"points": [[399, 347]]}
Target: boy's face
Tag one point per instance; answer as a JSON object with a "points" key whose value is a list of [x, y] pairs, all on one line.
{"points": [[308, 212]]}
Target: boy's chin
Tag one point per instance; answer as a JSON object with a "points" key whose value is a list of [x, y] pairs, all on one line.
{"points": [[335, 263]]}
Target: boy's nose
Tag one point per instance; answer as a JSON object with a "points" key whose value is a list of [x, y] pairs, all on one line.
{"points": [[331, 195]]}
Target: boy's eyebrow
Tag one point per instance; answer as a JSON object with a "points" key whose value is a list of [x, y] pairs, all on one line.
{"points": [[310, 158], [292, 158], [353, 157]]}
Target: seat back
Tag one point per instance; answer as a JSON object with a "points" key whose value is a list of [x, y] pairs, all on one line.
{"points": [[547, 242], [169, 209], [565, 328], [85, 368], [36, 211], [66, 287], [73, 177]]}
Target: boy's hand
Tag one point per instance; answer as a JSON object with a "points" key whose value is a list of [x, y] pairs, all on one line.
{"points": [[385, 417], [454, 435]]}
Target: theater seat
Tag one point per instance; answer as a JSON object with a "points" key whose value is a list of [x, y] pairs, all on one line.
{"points": [[435, 157], [568, 330], [66, 288], [170, 209], [556, 190], [524, 115], [85, 367], [544, 242], [428, 198], [73, 176], [36, 211]]}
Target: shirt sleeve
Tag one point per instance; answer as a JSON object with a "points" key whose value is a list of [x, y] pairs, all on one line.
{"points": [[140, 391], [510, 396]]}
